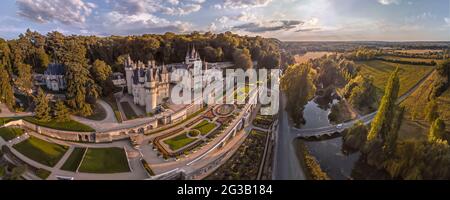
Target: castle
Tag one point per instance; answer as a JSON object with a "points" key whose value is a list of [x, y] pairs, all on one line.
{"points": [[150, 84]]}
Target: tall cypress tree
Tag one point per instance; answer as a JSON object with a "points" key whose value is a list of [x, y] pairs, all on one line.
{"points": [[42, 110]]}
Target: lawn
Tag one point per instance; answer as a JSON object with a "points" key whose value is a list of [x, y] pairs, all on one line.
{"points": [[129, 112], [10, 133], [205, 127], [380, 71], [179, 141], [74, 160], [41, 151], [64, 126], [104, 161], [7, 119]]}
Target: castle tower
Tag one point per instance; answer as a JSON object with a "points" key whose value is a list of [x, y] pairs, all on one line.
{"points": [[165, 81], [151, 91], [129, 67]]}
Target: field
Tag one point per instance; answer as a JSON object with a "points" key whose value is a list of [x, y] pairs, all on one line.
{"points": [[408, 59], [416, 103], [74, 160], [10, 133], [418, 51], [205, 127], [64, 126], [381, 70], [179, 141], [104, 161], [41, 151], [310, 55]]}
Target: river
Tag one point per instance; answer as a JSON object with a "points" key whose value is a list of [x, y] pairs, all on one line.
{"points": [[328, 152]]}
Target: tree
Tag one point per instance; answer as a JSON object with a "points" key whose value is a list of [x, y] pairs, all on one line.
{"points": [[25, 78], [62, 112], [101, 71], [442, 81], [81, 88], [242, 59], [382, 124], [298, 85], [6, 90], [356, 136], [437, 131], [42, 59], [42, 110], [431, 111]]}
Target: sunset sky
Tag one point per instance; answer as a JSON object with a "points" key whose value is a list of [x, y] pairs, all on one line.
{"points": [[324, 20]]}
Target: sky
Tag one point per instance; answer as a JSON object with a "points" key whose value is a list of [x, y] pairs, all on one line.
{"points": [[287, 20]]}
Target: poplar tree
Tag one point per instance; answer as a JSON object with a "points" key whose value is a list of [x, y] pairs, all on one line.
{"points": [[382, 124]]}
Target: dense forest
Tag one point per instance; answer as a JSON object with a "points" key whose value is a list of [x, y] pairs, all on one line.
{"points": [[89, 60]]}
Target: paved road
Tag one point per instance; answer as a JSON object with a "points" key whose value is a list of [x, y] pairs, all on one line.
{"points": [[286, 165], [6, 113]]}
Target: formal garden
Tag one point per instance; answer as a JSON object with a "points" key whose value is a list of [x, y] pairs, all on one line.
{"points": [[180, 141], [245, 163], [104, 161], [41, 151], [263, 121]]}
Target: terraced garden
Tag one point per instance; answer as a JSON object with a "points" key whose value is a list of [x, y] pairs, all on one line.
{"points": [[10, 133], [41, 151], [179, 141], [205, 127], [74, 160], [244, 164], [104, 161], [64, 126]]}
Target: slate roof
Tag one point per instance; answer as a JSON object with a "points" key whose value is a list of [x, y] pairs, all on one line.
{"points": [[55, 69]]}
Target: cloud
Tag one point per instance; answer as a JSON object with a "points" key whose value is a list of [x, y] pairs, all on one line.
{"points": [[121, 24], [447, 20], [276, 25], [65, 11], [236, 4], [168, 7], [184, 10], [389, 2], [307, 30]]}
